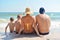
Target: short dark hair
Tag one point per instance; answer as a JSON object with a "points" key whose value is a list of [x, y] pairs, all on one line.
{"points": [[11, 19], [18, 16], [41, 10]]}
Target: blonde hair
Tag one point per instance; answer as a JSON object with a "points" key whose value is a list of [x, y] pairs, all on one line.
{"points": [[27, 10]]}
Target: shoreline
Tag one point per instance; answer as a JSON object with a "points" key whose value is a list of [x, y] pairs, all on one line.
{"points": [[54, 33]]}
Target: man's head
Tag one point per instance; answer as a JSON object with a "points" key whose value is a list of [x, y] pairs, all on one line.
{"points": [[27, 11], [11, 19], [41, 10]]}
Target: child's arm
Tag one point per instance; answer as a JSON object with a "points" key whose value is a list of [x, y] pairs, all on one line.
{"points": [[6, 28], [21, 27]]}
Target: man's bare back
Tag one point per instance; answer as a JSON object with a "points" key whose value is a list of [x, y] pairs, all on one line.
{"points": [[43, 22]]}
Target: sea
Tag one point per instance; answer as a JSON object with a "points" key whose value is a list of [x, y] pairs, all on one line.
{"points": [[4, 16]]}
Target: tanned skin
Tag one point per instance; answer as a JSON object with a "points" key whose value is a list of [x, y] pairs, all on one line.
{"points": [[43, 23], [11, 26], [28, 23]]}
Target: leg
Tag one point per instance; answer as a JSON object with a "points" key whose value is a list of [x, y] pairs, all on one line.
{"points": [[35, 28], [21, 30], [11, 31]]}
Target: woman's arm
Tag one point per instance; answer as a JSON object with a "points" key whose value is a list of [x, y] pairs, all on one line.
{"points": [[35, 27]]}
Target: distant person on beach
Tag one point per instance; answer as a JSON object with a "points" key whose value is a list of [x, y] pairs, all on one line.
{"points": [[43, 22], [28, 23], [18, 24], [10, 25]]}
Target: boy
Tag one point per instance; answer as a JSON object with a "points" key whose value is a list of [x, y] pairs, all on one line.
{"points": [[10, 25], [18, 24]]}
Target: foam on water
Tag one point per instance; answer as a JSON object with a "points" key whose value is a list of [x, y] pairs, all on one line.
{"points": [[4, 19], [54, 28]]}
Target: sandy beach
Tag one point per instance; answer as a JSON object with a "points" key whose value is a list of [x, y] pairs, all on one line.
{"points": [[11, 9], [54, 33]]}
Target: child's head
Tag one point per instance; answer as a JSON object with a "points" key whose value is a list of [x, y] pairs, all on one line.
{"points": [[18, 17], [11, 19]]}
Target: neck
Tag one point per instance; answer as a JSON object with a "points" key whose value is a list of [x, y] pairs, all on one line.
{"points": [[18, 19], [27, 14], [11, 21], [42, 13]]}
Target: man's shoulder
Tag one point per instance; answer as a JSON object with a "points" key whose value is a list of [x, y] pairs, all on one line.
{"points": [[47, 16], [37, 15]]}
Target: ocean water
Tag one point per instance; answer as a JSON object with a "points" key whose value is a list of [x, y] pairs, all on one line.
{"points": [[54, 27], [4, 16]]}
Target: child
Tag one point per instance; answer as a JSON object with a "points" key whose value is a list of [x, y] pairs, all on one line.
{"points": [[10, 25], [18, 24]]}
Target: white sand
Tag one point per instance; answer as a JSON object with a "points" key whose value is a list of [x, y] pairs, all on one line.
{"points": [[54, 33]]}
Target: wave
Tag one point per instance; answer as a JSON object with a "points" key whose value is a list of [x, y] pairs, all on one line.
{"points": [[3, 20]]}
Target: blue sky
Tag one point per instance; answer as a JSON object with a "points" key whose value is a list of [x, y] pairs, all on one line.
{"points": [[20, 5]]}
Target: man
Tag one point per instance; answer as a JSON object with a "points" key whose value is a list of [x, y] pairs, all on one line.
{"points": [[28, 23], [43, 22]]}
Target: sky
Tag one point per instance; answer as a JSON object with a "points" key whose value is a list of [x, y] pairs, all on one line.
{"points": [[34, 5]]}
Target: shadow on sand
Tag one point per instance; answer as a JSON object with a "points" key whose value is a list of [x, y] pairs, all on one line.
{"points": [[13, 36]]}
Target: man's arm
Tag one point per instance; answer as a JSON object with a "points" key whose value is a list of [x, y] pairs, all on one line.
{"points": [[49, 21]]}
